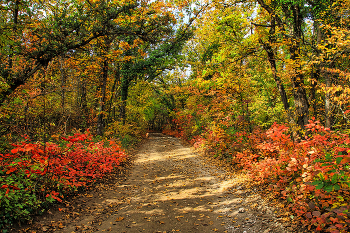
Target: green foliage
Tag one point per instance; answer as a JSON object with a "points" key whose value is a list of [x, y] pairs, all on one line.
{"points": [[128, 134], [18, 206], [334, 176], [145, 106], [79, 64]]}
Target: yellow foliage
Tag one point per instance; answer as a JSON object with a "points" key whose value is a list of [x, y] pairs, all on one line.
{"points": [[118, 130]]}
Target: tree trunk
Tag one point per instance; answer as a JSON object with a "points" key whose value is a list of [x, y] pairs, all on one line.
{"points": [[63, 86], [328, 107], [280, 86], [113, 93], [313, 102], [100, 116], [84, 104], [272, 60], [15, 23], [299, 93], [125, 82], [300, 98], [315, 75]]}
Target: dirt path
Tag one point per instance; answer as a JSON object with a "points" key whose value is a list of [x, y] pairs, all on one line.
{"points": [[169, 189]]}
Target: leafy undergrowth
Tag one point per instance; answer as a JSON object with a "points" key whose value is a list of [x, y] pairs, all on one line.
{"points": [[34, 175], [129, 135], [312, 175]]}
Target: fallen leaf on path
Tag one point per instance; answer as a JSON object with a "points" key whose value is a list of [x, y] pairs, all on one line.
{"points": [[119, 219]]}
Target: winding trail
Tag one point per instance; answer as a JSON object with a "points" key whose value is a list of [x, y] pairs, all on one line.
{"points": [[169, 189]]}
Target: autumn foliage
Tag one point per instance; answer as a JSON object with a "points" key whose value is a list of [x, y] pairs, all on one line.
{"points": [[312, 175], [308, 169], [33, 175], [238, 79], [268, 93]]}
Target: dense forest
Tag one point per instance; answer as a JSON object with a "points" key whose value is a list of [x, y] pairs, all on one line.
{"points": [[261, 84]]}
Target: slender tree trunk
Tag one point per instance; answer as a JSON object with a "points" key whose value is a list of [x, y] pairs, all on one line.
{"points": [[100, 116], [125, 82], [103, 87], [315, 74], [272, 60], [113, 93], [313, 102], [63, 85], [280, 86], [15, 23], [83, 101], [328, 106], [300, 97], [248, 118], [7, 73]]}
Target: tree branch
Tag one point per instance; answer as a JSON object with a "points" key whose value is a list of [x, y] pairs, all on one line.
{"points": [[271, 12]]}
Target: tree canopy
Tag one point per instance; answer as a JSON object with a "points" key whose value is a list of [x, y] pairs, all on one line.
{"points": [[261, 84]]}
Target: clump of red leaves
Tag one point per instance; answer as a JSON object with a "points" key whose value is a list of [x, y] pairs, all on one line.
{"points": [[33, 174], [173, 133], [313, 174]]}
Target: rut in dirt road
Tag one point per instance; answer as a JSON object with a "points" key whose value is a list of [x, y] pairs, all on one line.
{"points": [[171, 189]]}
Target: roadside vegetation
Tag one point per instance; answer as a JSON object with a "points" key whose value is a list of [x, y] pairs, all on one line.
{"points": [[263, 85]]}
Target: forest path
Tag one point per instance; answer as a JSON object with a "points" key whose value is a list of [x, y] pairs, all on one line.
{"points": [[169, 188]]}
